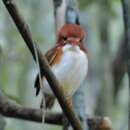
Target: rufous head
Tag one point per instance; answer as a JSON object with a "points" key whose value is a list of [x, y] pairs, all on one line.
{"points": [[71, 34]]}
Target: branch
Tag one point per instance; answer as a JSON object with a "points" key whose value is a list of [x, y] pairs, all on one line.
{"points": [[126, 14], [99, 123], [9, 108], [45, 69], [119, 67]]}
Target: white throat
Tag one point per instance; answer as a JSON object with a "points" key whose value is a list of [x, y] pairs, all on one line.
{"points": [[71, 47]]}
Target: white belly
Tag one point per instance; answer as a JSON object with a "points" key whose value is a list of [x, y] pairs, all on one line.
{"points": [[71, 71]]}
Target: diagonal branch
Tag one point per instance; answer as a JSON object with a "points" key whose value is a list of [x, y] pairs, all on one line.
{"points": [[45, 69]]}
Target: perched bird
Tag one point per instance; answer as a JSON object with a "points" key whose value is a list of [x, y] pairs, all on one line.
{"points": [[68, 61]]}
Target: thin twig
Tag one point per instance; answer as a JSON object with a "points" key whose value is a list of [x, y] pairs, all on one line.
{"points": [[45, 69]]}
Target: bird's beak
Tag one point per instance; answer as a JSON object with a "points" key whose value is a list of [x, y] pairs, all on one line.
{"points": [[74, 41]]}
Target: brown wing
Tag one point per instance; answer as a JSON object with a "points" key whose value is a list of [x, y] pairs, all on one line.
{"points": [[82, 47], [51, 55]]}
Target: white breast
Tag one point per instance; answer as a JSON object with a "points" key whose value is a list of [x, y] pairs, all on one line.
{"points": [[71, 71]]}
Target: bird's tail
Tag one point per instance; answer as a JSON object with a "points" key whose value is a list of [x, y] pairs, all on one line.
{"points": [[48, 101]]}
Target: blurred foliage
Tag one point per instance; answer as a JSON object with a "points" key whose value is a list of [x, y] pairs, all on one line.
{"points": [[83, 4]]}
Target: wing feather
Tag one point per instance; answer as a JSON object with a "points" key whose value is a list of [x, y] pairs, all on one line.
{"points": [[50, 56]]}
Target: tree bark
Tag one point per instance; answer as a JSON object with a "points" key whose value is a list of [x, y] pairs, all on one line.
{"points": [[104, 101], [126, 14], [119, 68]]}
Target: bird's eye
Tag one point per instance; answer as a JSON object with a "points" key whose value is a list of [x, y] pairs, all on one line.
{"points": [[81, 40], [65, 38]]}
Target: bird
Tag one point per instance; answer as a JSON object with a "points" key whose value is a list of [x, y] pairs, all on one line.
{"points": [[69, 62]]}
